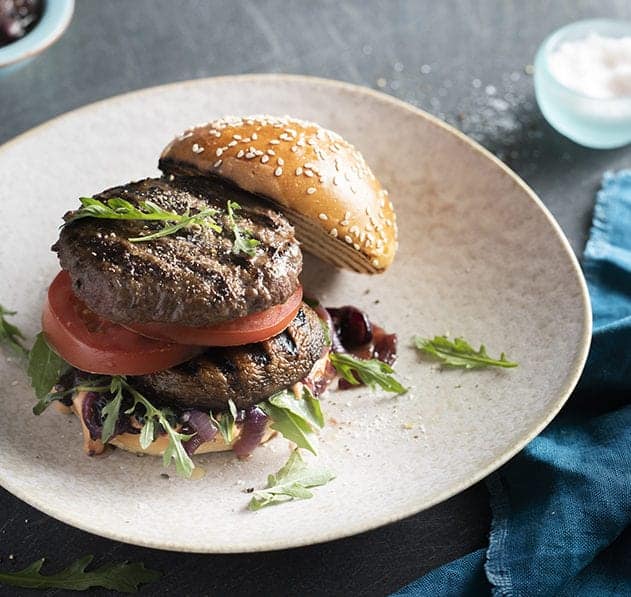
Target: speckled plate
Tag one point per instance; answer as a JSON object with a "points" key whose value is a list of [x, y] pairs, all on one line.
{"points": [[480, 256]]}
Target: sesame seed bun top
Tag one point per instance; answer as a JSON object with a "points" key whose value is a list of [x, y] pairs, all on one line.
{"points": [[319, 180]]}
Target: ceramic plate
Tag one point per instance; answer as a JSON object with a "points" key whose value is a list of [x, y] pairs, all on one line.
{"points": [[479, 256]]}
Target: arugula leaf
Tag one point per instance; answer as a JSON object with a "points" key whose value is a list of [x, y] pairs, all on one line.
{"points": [[45, 368], [372, 372], [225, 424], [116, 208], [10, 333], [243, 241], [291, 426], [307, 407], [290, 482], [459, 353], [295, 418], [123, 577], [174, 450], [147, 434], [111, 410]]}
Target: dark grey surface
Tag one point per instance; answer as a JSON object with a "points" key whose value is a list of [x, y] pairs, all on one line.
{"points": [[465, 62]]}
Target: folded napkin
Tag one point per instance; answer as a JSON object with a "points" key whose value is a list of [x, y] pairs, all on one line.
{"points": [[562, 507]]}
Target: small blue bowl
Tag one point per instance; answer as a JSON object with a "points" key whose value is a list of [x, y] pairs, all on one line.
{"points": [[592, 122], [55, 18]]}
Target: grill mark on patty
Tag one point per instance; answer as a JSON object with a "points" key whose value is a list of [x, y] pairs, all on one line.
{"points": [[245, 374], [187, 278]]}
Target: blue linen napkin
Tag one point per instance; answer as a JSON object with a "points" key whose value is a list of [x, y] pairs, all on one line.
{"points": [[562, 507]]}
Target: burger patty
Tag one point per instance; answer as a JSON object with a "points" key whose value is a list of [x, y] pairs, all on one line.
{"points": [[192, 277], [246, 374]]}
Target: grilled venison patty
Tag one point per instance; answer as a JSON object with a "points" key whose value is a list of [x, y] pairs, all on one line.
{"points": [[190, 278], [246, 374]]}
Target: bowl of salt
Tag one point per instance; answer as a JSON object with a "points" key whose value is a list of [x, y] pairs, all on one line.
{"points": [[583, 82]]}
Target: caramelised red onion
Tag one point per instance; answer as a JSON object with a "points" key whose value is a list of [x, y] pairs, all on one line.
{"points": [[92, 415], [321, 382], [199, 423], [353, 326], [252, 432], [385, 345]]}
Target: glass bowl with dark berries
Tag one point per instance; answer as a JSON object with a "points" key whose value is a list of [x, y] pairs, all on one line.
{"points": [[17, 18]]}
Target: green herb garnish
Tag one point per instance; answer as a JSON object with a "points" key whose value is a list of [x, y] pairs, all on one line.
{"points": [[111, 410], [152, 417], [226, 421], [459, 353], [371, 372], [243, 241], [116, 208], [45, 368], [123, 577], [295, 418], [291, 482], [10, 333]]}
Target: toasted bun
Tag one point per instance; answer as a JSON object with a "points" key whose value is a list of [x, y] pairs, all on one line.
{"points": [[131, 443], [320, 182]]}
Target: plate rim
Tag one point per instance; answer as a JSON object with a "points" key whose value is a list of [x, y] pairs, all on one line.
{"points": [[455, 488]]}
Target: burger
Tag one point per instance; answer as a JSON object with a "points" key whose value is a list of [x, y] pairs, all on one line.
{"points": [[178, 324]]}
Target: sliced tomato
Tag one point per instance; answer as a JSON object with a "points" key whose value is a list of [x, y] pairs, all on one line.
{"points": [[93, 344], [245, 330]]}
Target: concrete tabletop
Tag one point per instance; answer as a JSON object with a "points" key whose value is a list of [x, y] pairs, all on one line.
{"points": [[468, 63]]}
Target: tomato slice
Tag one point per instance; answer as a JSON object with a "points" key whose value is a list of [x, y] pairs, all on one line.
{"points": [[93, 344], [245, 330]]}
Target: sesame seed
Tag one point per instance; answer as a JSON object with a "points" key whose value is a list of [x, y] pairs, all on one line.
{"points": [[354, 230], [217, 163], [375, 262], [294, 148], [311, 190], [343, 222], [246, 140], [232, 143], [347, 215], [254, 136], [171, 177], [298, 171], [197, 148], [237, 137], [264, 159], [278, 171], [356, 246], [309, 165], [333, 232], [219, 152], [271, 152], [274, 142], [323, 217], [280, 161], [249, 155], [308, 173], [241, 153], [348, 239]]}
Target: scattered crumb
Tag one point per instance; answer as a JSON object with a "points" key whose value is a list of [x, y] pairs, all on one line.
{"points": [[408, 426]]}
